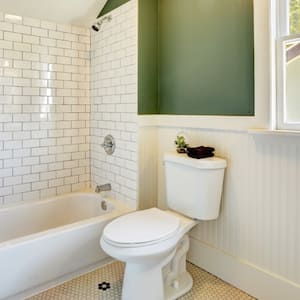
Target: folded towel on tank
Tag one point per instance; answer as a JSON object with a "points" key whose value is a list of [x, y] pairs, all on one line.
{"points": [[200, 152]]}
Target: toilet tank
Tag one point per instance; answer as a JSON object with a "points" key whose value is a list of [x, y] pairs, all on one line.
{"points": [[194, 186]]}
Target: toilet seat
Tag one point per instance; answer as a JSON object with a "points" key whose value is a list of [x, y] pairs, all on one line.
{"points": [[141, 228]]}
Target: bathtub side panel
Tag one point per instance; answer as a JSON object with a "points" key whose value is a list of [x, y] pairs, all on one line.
{"points": [[36, 262]]}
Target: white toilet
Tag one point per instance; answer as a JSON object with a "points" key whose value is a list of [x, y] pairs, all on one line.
{"points": [[153, 243]]}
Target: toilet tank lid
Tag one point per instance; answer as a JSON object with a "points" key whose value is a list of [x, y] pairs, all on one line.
{"points": [[203, 163]]}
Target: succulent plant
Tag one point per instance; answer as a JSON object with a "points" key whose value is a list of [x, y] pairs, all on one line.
{"points": [[180, 143]]}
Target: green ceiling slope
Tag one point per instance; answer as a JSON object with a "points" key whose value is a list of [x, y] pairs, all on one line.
{"points": [[111, 5]]}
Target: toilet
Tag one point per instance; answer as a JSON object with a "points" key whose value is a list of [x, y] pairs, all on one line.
{"points": [[153, 243]]}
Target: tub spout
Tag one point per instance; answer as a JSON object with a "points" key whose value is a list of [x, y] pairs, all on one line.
{"points": [[103, 188]]}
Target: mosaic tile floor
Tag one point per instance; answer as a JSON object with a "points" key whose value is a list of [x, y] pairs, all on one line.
{"points": [[88, 286]]}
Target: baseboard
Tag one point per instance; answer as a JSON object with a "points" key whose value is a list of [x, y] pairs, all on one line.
{"points": [[257, 282]]}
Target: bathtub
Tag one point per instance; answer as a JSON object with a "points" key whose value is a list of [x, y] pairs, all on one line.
{"points": [[43, 243]]}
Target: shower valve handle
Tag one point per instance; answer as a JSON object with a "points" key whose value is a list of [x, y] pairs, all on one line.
{"points": [[109, 144]]}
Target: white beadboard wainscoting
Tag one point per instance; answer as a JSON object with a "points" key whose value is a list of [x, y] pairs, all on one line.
{"points": [[147, 167], [255, 243]]}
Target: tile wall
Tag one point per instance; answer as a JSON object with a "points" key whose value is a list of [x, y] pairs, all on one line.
{"points": [[44, 108], [114, 102]]}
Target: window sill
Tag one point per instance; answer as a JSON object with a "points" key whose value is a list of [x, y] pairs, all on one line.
{"points": [[262, 131]]}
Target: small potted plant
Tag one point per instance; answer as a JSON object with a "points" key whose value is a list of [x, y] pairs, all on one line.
{"points": [[180, 143]]}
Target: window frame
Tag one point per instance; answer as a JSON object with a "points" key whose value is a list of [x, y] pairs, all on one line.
{"points": [[283, 36]]}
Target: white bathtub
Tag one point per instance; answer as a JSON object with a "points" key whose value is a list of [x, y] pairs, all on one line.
{"points": [[43, 243]]}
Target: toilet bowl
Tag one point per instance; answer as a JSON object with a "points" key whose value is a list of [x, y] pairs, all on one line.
{"points": [[147, 241], [153, 243]]}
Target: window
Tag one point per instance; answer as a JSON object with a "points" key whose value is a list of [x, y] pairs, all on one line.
{"points": [[288, 64]]}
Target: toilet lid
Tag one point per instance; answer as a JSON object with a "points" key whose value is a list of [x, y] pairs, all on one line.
{"points": [[141, 227]]}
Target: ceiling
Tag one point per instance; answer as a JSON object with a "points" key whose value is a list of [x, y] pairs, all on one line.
{"points": [[79, 12]]}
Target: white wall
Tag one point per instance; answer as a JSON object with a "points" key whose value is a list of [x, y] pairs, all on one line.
{"points": [[44, 108], [114, 102], [255, 243]]}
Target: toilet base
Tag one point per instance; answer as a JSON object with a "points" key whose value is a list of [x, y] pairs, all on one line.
{"points": [[177, 281], [142, 282], [180, 287]]}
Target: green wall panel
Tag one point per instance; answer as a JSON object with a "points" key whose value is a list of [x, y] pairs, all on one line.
{"points": [[206, 57], [111, 5], [147, 57], [195, 57]]}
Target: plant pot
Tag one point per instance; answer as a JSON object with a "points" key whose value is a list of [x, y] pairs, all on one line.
{"points": [[181, 150]]}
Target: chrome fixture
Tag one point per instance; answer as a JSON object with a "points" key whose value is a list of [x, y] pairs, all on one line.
{"points": [[109, 144], [103, 188], [98, 24]]}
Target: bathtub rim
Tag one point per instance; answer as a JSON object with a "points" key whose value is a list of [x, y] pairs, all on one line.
{"points": [[119, 208], [9, 206]]}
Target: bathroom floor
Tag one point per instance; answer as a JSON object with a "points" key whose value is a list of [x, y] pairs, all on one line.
{"points": [[105, 284]]}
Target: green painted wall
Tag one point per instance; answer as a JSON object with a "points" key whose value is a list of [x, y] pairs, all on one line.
{"points": [[147, 57], [206, 57], [111, 5], [196, 57]]}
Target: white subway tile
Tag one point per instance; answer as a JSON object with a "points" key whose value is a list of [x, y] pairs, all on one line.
{"points": [[22, 47], [28, 161], [71, 37], [40, 185], [5, 26], [31, 56], [48, 193], [64, 28], [12, 36], [40, 88], [18, 28], [31, 39], [31, 196], [19, 153], [21, 188], [31, 178], [13, 180], [48, 25], [48, 175], [31, 22], [41, 168], [12, 54], [64, 44], [11, 163], [5, 191], [39, 32], [8, 154], [49, 42]]}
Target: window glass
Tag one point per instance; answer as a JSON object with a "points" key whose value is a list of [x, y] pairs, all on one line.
{"points": [[292, 82], [294, 16], [288, 64]]}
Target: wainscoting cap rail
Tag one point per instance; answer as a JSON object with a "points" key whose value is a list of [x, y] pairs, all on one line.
{"points": [[265, 131]]}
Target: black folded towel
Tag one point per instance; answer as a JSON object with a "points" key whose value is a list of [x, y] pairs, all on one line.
{"points": [[201, 149], [200, 152]]}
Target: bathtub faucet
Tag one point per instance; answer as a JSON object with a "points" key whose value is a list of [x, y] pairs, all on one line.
{"points": [[103, 188]]}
